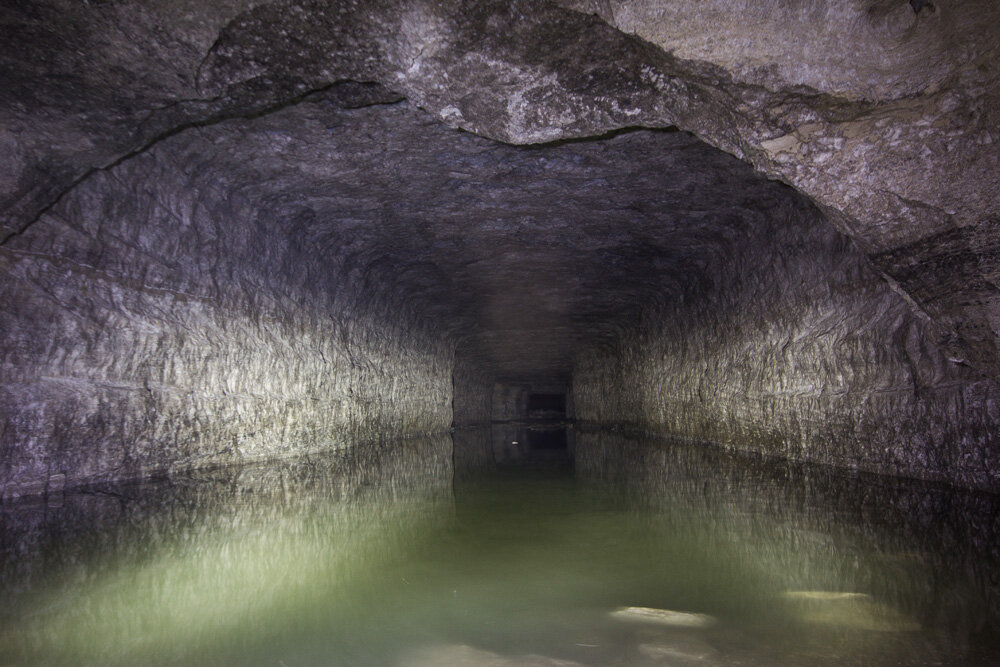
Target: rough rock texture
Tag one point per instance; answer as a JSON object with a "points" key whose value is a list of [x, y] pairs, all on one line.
{"points": [[797, 349], [511, 400], [316, 213], [472, 393], [884, 114], [893, 134], [163, 316]]}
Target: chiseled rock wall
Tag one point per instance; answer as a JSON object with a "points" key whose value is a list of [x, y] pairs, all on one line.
{"points": [[473, 393], [157, 319], [799, 349]]}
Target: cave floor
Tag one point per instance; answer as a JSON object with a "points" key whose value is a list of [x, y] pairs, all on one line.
{"points": [[510, 546]]}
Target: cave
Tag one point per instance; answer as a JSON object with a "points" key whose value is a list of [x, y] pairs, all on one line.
{"points": [[555, 276], [547, 406]]}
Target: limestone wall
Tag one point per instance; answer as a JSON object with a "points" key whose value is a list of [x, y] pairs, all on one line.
{"points": [[797, 348], [473, 395], [158, 317]]}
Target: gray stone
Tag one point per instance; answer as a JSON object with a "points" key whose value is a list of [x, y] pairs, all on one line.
{"points": [[848, 610], [224, 234]]}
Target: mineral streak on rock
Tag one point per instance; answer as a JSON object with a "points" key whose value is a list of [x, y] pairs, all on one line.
{"points": [[225, 235]]}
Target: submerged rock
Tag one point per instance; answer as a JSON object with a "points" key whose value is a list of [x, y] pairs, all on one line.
{"points": [[856, 611], [679, 619]]}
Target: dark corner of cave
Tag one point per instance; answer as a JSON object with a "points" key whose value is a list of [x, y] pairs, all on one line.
{"points": [[426, 332]]}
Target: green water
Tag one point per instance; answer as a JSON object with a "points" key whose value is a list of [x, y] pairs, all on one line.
{"points": [[502, 548]]}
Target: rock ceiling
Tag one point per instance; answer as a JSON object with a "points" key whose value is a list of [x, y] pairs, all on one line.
{"points": [[521, 252], [881, 112]]}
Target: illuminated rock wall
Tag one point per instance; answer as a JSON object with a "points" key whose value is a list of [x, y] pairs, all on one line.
{"points": [[158, 318], [797, 348], [240, 228]]}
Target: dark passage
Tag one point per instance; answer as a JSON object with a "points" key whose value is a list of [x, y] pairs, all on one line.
{"points": [[546, 406]]}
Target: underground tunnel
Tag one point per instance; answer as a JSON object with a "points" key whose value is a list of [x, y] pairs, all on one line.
{"points": [[413, 332]]}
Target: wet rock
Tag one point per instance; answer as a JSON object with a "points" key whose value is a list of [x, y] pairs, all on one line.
{"points": [[855, 611], [667, 617], [680, 652], [826, 596]]}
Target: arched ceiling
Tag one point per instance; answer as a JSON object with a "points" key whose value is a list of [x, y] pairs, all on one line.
{"points": [[883, 113], [521, 254]]}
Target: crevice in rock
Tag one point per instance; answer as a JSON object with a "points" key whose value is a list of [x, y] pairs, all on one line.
{"points": [[308, 96]]}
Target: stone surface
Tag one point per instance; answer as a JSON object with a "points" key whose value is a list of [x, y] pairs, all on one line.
{"points": [[216, 241], [472, 392], [159, 318], [849, 610], [883, 115], [799, 350]]}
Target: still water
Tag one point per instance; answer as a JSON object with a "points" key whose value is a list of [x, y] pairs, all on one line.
{"points": [[505, 547]]}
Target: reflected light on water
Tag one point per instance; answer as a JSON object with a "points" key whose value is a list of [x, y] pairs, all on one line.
{"points": [[605, 551]]}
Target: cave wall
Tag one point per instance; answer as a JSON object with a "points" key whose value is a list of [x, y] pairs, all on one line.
{"points": [[798, 349], [206, 328], [159, 317], [510, 401], [472, 394]]}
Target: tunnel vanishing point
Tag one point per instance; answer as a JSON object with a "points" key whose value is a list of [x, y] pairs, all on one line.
{"points": [[243, 229]]}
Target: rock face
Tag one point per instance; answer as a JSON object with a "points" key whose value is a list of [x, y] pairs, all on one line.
{"points": [[239, 228], [798, 350], [164, 315]]}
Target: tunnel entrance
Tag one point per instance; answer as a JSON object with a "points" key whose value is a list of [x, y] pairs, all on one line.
{"points": [[546, 406]]}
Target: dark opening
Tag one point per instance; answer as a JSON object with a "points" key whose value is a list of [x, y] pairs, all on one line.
{"points": [[547, 438], [919, 4], [547, 405]]}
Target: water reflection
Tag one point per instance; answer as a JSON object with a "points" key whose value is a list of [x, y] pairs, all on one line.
{"points": [[505, 547], [834, 566], [513, 446], [232, 566]]}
